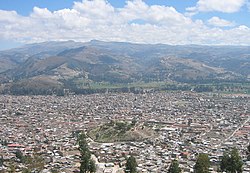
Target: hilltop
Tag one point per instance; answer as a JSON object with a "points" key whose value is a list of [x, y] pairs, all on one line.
{"points": [[121, 131]]}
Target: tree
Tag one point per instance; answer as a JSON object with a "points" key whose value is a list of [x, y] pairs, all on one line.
{"points": [[82, 142], [131, 165], [4, 142], [174, 167], [224, 161], [236, 161], [231, 162], [19, 155], [87, 164], [133, 123], [92, 166], [202, 164], [54, 170], [1, 161]]}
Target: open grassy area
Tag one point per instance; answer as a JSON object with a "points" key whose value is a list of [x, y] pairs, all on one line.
{"points": [[222, 87], [103, 85]]}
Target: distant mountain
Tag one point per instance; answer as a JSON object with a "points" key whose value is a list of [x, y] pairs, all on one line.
{"points": [[58, 65], [17, 56]]}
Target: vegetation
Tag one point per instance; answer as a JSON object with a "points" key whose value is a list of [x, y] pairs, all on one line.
{"points": [[114, 131], [54, 170], [138, 87], [1, 161], [87, 164], [78, 86], [131, 165], [231, 162], [33, 163], [174, 167], [248, 152], [20, 156], [4, 142], [202, 164]]}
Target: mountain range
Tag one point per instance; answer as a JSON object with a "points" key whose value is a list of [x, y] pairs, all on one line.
{"points": [[74, 65]]}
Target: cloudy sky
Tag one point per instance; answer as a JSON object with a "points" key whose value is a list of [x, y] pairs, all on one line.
{"points": [[210, 22]]}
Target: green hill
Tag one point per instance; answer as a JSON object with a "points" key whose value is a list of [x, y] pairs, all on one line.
{"points": [[120, 131]]}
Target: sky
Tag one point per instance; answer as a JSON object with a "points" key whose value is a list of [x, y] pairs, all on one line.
{"points": [[175, 22]]}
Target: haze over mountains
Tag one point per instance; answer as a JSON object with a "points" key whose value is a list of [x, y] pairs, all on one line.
{"points": [[58, 65]]}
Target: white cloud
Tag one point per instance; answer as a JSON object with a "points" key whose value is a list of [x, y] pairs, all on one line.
{"points": [[248, 4], [41, 13], [8, 16], [154, 14], [226, 6], [97, 19], [216, 21]]}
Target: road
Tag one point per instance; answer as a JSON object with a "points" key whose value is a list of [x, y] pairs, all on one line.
{"points": [[237, 129]]}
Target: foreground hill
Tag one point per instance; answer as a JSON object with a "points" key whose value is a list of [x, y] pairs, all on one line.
{"points": [[121, 131], [74, 65]]}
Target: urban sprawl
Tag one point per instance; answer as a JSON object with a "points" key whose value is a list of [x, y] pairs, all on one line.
{"points": [[185, 124]]}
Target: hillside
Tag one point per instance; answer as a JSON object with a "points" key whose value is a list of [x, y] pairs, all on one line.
{"points": [[76, 66], [120, 131]]}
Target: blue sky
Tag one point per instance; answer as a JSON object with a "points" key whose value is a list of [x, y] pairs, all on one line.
{"points": [[149, 21]]}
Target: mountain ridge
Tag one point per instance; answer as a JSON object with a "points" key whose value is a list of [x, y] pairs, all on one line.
{"points": [[121, 62]]}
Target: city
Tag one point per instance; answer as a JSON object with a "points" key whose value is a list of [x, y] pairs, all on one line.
{"points": [[184, 124]]}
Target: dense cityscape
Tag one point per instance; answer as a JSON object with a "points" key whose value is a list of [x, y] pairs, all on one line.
{"points": [[181, 125]]}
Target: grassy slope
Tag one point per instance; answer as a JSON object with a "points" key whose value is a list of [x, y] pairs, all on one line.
{"points": [[120, 131]]}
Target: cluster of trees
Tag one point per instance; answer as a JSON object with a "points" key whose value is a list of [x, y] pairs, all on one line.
{"points": [[231, 162], [203, 88], [87, 164], [131, 165], [202, 164], [207, 80], [177, 87], [71, 84], [174, 167], [4, 142], [19, 89], [113, 78], [33, 163], [122, 127]]}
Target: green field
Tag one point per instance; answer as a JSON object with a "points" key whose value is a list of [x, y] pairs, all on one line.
{"points": [[169, 86]]}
